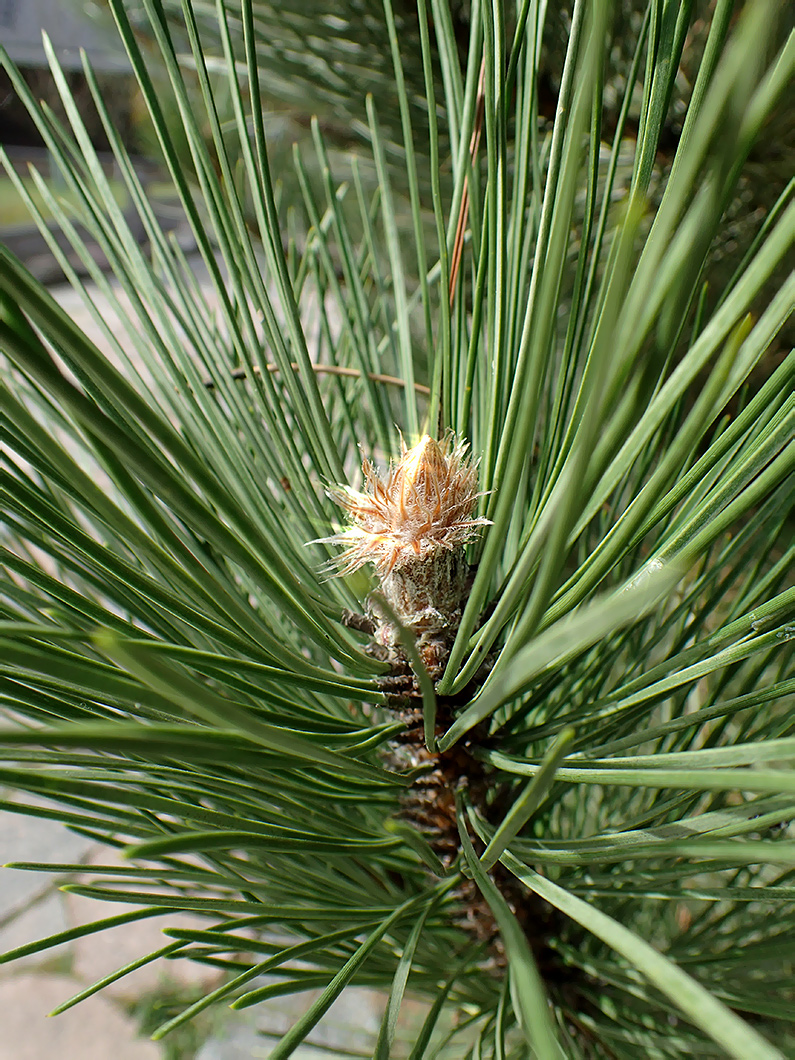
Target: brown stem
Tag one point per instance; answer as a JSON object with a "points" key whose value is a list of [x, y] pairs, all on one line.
{"points": [[327, 369], [463, 213]]}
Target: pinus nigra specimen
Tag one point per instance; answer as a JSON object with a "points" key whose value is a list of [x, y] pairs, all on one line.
{"points": [[543, 780]]}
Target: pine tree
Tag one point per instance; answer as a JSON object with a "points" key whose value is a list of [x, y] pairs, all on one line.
{"points": [[501, 721]]}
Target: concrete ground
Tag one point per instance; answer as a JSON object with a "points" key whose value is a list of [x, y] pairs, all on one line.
{"points": [[31, 907], [112, 1023]]}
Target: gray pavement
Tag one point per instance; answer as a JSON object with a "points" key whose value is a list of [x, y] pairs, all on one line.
{"points": [[102, 1026], [31, 907]]}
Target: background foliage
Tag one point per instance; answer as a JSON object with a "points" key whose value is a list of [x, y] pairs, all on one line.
{"points": [[175, 674]]}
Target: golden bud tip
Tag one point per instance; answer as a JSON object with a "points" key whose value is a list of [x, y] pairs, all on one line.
{"points": [[421, 507]]}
